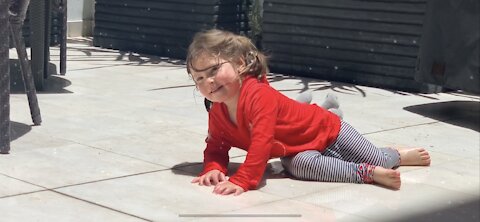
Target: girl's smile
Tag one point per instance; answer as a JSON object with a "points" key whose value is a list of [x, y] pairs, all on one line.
{"points": [[218, 88]]}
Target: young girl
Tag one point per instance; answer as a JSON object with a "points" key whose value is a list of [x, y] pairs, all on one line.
{"points": [[313, 143]]}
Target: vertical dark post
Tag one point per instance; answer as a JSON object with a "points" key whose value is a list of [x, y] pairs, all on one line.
{"points": [[4, 79], [37, 42], [46, 33], [17, 15], [63, 38]]}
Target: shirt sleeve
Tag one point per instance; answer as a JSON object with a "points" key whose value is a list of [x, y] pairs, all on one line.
{"points": [[215, 155], [261, 109]]}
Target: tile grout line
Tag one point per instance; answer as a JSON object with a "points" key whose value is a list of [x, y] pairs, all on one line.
{"points": [[330, 208], [100, 205], [402, 127], [109, 151], [77, 184], [120, 154], [112, 178], [296, 200], [45, 189]]}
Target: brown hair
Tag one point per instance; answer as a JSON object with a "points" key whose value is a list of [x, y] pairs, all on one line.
{"points": [[228, 46]]}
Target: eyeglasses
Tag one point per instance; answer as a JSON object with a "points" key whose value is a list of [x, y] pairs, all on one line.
{"points": [[210, 71]]}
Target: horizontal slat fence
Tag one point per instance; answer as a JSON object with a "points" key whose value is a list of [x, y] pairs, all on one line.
{"points": [[163, 27], [366, 42]]}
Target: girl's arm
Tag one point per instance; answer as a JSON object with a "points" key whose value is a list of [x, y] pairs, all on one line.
{"points": [[261, 109], [215, 157], [215, 160]]}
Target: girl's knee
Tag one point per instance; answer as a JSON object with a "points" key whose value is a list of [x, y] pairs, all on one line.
{"points": [[300, 163], [305, 157]]}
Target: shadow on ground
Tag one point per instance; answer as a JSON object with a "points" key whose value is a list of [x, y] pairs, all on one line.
{"points": [[17, 130], [53, 84], [460, 113], [274, 170], [307, 83], [467, 211], [148, 59], [316, 84], [137, 58]]}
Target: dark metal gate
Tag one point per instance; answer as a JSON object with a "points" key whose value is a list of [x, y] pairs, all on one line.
{"points": [[363, 42], [449, 51]]}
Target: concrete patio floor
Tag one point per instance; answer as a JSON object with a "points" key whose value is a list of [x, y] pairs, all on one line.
{"points": [[123, 135]]}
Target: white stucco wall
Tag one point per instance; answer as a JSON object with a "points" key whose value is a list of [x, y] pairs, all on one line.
{"points": [[80, 17]]}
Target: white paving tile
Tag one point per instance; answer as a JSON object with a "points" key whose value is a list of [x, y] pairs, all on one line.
{"points": [[72, 164], [11, 186], [168, 148], [436, 137], [34, 139], [282, 210], [378, 203], [460, 175], [49, 206], [163, 196]]}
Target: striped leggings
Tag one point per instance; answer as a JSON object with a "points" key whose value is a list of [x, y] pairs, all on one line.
{"points": [[351, 159]]}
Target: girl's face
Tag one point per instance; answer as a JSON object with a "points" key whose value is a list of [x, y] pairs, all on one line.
{"points": [[217, 79]]}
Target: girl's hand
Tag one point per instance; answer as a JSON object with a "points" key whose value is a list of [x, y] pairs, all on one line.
{"points": [[227, 188], [212, 177]]}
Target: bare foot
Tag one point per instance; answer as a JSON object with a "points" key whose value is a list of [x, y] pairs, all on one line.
{"points": [[414, 157], [387, 177]]}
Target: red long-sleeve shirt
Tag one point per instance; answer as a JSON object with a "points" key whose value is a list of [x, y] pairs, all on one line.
{"points": [[269, 125]]}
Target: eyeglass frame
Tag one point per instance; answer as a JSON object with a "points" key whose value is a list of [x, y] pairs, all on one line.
{"points": [[209, 73]]}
